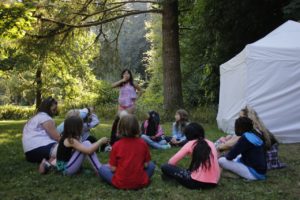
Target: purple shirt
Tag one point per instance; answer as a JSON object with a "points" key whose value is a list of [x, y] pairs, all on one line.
{"points": [[127, 95]]}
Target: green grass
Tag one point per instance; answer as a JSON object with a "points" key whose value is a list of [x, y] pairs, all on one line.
{"points": [[20, 179]]}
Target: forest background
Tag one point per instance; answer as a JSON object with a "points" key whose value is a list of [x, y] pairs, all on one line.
{"points": [[74, 50]]}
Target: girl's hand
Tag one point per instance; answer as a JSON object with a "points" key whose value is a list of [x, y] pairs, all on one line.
{"points": [[104, 140], [153, 137], [174, 141], [146, 164], [113, 168], [124, 79]]}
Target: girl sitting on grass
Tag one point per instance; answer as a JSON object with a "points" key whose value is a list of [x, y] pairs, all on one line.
{"points": [[71, 151], [247, 158], [129, 163], [90, 120], [181, 121], [271, 143], [204, 170], [152, 132]]}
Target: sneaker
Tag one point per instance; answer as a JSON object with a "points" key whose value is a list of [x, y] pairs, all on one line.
{"points": [[44, 167], [108, 148], [167, 146]]}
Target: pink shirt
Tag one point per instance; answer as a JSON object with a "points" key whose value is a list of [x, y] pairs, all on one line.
{"points": [[127, 95], [211, 175]]}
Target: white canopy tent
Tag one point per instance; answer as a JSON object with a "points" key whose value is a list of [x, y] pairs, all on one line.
{"points": [[265, 76]]}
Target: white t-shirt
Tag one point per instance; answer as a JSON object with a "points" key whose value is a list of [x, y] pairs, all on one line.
{"points": [[34, 135]]}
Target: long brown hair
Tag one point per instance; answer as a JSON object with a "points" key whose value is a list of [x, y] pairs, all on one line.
{"points": [[72, 128], [184, 118]]}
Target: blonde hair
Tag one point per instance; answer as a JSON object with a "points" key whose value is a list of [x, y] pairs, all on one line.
{"points": [[72, 113], [123, 113], [129, 126], [260, 126]]}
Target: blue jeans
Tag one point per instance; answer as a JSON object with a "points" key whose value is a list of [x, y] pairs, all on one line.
{"points": [[156, 145], [183, 177], [106, 174]]}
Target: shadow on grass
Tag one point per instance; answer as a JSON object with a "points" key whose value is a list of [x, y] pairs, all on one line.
{"points": [[20, 179]]}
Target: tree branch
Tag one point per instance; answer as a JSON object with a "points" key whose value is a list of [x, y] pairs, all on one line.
{"points": [[119, 31], [95, 23], [98, 12], [133, 1]]}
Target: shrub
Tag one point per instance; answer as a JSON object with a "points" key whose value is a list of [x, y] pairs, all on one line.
{"points": [[204, 114], [9, 112]]}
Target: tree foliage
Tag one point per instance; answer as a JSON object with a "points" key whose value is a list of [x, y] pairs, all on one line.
{"points": [[216, 31], [63, 61], [16, 19], [154, 67], [292, 10]]}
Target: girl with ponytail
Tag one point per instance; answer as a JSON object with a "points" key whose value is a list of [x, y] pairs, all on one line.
{"points": [[204, 171]]}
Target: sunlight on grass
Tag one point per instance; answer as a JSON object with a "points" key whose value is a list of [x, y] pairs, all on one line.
{"points": [[4, 140], [9, 138], [12, 122], [105, 125], [21, 180]]}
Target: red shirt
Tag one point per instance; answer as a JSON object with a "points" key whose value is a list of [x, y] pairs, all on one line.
{"points": [[129, 155]]}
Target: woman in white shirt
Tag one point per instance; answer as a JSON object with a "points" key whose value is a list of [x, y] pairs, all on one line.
{"points": [[40, 137]]}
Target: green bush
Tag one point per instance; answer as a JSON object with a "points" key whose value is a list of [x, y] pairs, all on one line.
{"points": [[204, 114], [9, 112]]}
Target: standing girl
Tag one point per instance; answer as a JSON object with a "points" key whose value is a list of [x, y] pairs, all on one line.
{"points": [[152, 132], [127, 94], [129, 163], [181, 121], [71, 152], [204, 170]]}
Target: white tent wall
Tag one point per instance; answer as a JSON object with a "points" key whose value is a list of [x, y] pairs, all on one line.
{"points": [[234, 98], [273, 91], [266, 76]]}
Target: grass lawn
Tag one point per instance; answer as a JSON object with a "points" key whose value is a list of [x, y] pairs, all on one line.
{"points": [[21, 180]]}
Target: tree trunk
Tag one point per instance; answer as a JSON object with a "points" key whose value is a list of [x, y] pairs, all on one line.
{"points": [[38, 79], [171, 56]]}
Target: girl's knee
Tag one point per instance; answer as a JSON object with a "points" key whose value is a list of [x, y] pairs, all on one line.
{"points": [[151, 165], [222, 161]]}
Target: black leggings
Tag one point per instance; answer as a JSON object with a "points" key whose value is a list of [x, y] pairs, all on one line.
{"points": [[37, 155], [183, 176]]}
